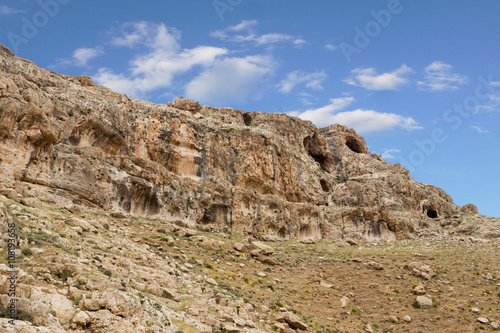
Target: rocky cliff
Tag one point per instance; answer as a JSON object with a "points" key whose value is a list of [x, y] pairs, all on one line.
{"points": [[66, 140], [129, 216]]}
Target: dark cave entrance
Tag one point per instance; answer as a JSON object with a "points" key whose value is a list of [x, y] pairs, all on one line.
{"points": [[324, 185], [431, 213], [317, 148], [282, 233], [247, 119], [354, 145]]}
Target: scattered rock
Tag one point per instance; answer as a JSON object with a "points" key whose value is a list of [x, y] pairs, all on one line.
{"points": [[186, 233], [263, 248], [169, 294], [393, 319], [211, 281], [294, 321], [419, 290], [421, 270], [269, 261], [326, 284], [228, 328], [343, 301], [407, 318], [9, 193], [374, 265], [75, 209], [239, 247], [483, 320], [118, 215], [495, 325], [81, 318], [423, 302]]}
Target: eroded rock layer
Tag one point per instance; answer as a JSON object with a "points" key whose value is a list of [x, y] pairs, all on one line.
{"points": [[64, 139]]}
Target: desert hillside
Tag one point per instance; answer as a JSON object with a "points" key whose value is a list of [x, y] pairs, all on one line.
{"points": [[131, 216]]}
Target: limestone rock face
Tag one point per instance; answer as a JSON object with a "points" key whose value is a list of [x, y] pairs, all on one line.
{"points": [[469, 209], [186, 104], [64, 139]]}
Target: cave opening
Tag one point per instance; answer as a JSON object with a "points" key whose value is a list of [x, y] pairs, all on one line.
{"points": [[282, 233], [431, 213], [247, 119], [317, 148], [324, 185], [354, 145]]}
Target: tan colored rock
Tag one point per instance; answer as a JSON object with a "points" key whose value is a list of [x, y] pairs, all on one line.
{"points": [[423, 302], [265, 174], [170, 294], [10, 193], [81, 318], [228, 328], [326, 284], [469, 209], [239, 247], [294, 321], [186, 104], [262, 248], [374, 265], [86, 81], [419, 290]]}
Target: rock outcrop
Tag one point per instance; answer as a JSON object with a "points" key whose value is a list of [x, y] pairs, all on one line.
{"points": [[64, 139]]}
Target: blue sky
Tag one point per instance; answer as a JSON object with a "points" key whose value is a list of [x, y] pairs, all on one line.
{"points": [[420, 80]]}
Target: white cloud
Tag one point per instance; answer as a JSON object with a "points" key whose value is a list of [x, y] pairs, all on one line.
{"points": [[440, 77], [82, 56], [331, 47], [492, 102], [232, 80], [370, 79], [306, 98], [363, 121], [299, 43], [163, 60], [244, 25], [5, 10], [248, 35], [389, 153], [151, 35], [480, 129], [295, 78]]}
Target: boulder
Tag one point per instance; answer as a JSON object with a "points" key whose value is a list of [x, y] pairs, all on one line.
{"points": [[81, 318], [469, 209], [262, 248], [294, 321], [186, 104], [423, 302]]}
